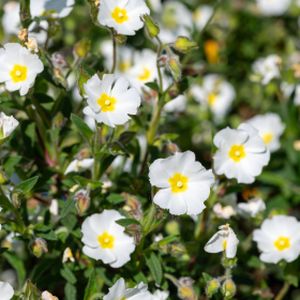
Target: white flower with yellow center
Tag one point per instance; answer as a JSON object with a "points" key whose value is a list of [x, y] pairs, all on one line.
{"points": [[270, 128], [111, 100], [202, 15], [7, 125], [124, 16], [267, 68], [215, 93], [241, 153], [278, 239], [143, 69], [273, 7], [119, 292], [184, 184], [6, 291], [53, 8], [105, 240], [19, 68], [251, 208], [224, 240]]}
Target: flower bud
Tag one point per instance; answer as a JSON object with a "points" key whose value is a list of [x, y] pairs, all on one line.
{"points": [[185, 289], [184, 44], [3, 178], [32, 45], [82, 48], [23, 35], [68, 255], [212, 287], [39, 247], [211, 49], [151, 27], [82, 199], [174, 67], [48, 296], [228, 289]]}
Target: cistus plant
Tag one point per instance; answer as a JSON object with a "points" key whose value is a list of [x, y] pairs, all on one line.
{"points": [[149, 149]]}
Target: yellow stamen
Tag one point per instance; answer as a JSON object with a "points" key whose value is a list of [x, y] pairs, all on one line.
{"points": [[178, 183], [145, 75], [107, 103], [224, 244], [212, 97], [282, 243], [106, 241], [267, 138], [120, 15], [18, 73], [237, 153]]}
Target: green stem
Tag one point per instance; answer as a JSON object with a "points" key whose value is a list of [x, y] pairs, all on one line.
{"points": [[283, 291], [114, 53], [154, 122]]}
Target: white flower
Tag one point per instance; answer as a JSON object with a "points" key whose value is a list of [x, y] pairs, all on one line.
{"points": [[105, 240], [267, 68], [177, 104], [184, 183], [6, 291], [273, 7], [11, 17], [53, 8], [124, 16], [241, 153], [143, 69], [214, 93], [297, 95], [111, 100], [202, 15], [224, 240], [252, 207], [270, 128], [176, 21], [224, 212], [19, 68], [119, 292], [160, 295], [278, 238], [79, 165], [7, 125]]}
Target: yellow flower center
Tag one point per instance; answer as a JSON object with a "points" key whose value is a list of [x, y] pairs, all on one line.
{"points": [[178, 183], [282, 243], [224, 244], [212, 97], [267, 138], [145, 75], [106, 241], [124, 66], [107, 103], [18, 73], [237, 153], [120, 15]]}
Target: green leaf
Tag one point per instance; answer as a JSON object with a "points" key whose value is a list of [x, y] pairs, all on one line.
{"points": [[82, 127], [68, 207], [114, 198], [126, 222], [70, 292], [17, 263], [155, 268], [68, 275], [92, 286], [31, 292], [27, 185]]}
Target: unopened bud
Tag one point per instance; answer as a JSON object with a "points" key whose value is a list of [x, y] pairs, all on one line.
{"points": [[174, 67], [32, 45], [151, 27], [228, 289], [82, 199], [184, 44], [68, 255], [23, 35], [212, 287], [48, 296], [82, 48], [39, 247]]}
